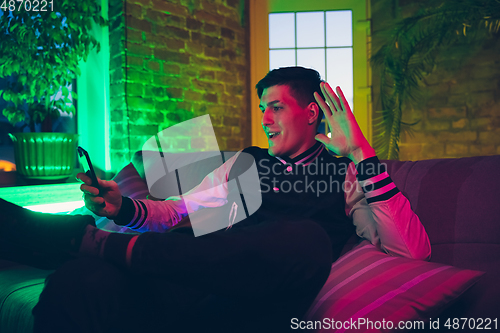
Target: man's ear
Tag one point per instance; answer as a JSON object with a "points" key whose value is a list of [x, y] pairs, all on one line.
{"points": [[313, 113]]}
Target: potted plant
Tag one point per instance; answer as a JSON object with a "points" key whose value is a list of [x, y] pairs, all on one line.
{"points": [[40, 53], [409, 55]]}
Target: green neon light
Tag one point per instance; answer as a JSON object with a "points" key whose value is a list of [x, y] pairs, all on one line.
{"points": [[42, 194], [60, 207], [93, 102]]}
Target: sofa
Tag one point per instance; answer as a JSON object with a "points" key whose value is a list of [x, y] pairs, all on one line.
{"points": [[457, 202]]}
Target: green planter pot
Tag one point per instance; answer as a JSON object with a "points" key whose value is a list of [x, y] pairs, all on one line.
{"points": [[46, 156]]}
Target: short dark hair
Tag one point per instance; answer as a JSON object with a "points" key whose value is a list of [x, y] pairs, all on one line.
{"points": [[303, 82]]}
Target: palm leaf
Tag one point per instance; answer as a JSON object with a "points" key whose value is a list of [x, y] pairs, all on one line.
{"points": [[410, 53]]}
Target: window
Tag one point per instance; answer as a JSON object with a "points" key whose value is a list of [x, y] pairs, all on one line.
{"points": [[312, 40], [332, 37]]}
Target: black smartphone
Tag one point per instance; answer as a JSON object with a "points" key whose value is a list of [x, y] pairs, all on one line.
{"points": [[87, 166]]}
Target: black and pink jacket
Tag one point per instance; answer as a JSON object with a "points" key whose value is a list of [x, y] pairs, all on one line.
{"points": [[332, 191]]}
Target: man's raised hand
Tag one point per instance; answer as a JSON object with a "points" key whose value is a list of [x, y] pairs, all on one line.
{"points": [[346, 136]]}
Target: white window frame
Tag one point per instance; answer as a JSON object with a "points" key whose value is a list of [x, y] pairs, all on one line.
{"points": [[259, 53]]}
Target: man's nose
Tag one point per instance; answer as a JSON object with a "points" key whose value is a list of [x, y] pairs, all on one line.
{"points": [[267, 118]]}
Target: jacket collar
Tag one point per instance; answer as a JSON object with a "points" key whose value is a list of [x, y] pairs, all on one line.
{"points": [[306, 157]]}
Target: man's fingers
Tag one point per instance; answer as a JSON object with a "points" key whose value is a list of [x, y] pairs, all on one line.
{"points": [[328, 98], [322, 138], [86, 179], [94, 204], [332, 97], [323, 105], [106, 184], [345, 105], [89, 189], [81, 176], [94, 200]]}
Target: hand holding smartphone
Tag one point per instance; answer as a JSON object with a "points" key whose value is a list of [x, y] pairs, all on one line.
{"points": [[109, 200], [87, 166]]}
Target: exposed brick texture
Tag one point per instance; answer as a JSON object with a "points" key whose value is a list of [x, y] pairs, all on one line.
{"points": [[175, 60], [459, 114]]}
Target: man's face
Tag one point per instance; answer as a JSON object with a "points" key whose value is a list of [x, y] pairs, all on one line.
{"points": [[285, 122]]}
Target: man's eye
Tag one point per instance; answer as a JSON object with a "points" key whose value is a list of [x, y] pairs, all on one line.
{"points": [[277, 108]]}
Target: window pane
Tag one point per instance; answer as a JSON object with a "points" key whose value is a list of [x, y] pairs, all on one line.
{"points": [[340, 71], [311, 29], [312, 58], [281, 58], [281, 30], [339, 28]]}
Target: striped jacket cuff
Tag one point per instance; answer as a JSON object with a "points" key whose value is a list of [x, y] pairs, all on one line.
{"points": [[375, 181], [133, 213]]}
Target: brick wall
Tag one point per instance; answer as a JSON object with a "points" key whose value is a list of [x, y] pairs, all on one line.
{"points": [[459, 112], [172, 61]]}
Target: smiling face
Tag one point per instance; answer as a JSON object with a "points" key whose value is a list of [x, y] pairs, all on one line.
{"points": [[290, 128]]}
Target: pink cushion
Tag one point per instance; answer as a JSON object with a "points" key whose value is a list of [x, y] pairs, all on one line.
{"points": [[366, 283], [457, 203]]}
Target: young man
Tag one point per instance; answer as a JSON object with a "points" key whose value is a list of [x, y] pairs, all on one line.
{"points": [[260, 273]]}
